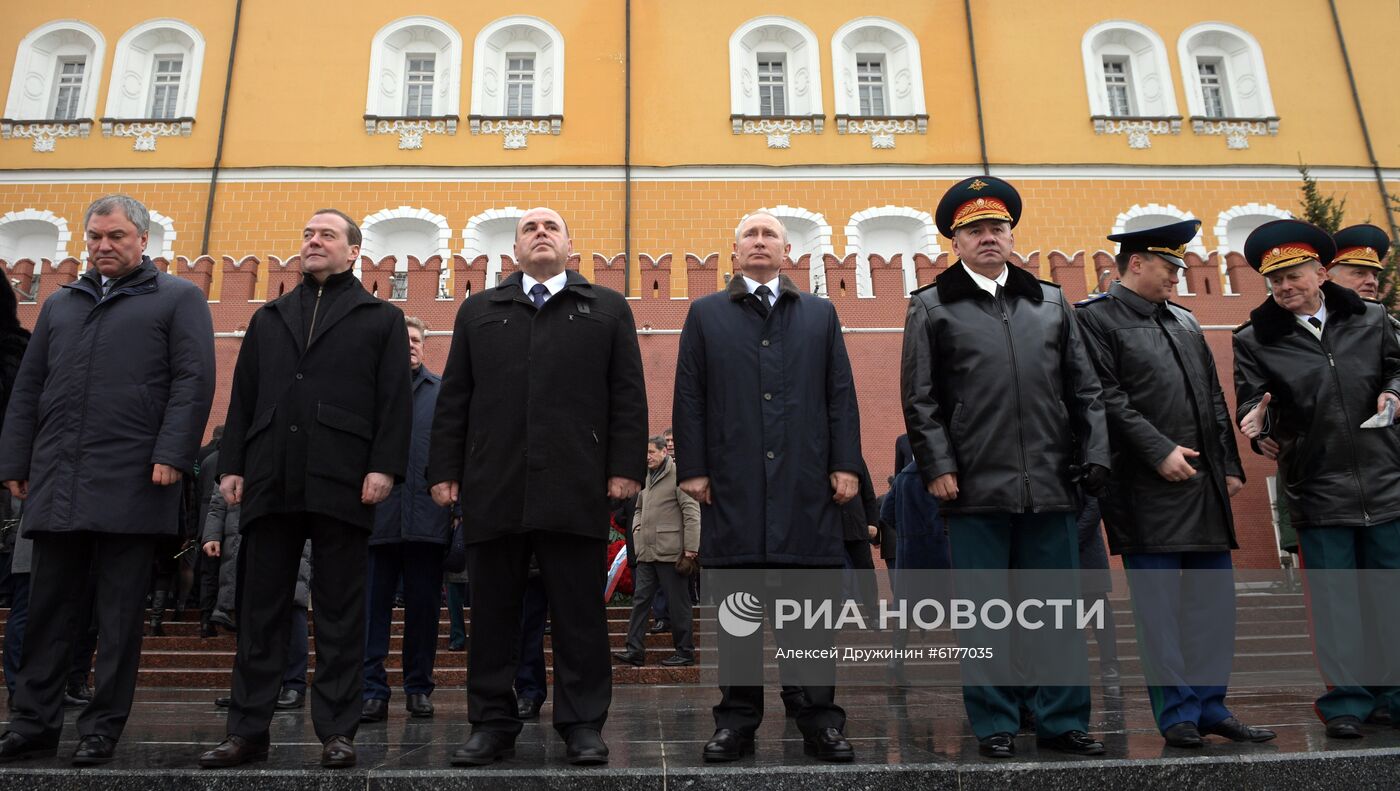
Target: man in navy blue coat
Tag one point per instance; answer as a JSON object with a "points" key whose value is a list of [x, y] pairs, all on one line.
{"points": [[769, 431]]}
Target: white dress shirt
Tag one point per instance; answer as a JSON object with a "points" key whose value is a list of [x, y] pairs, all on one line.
{"points": [[772, 285], [552, 286], [988, 284], [1320, 315]]}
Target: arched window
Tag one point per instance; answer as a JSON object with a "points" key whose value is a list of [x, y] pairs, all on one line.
{"points": [[879, 80], [809, 234], [53, 91], [888, 231], [161, 243], [1235, 224], [775, 80], [33, 234], [1129, 82], [492, 234], [415, 79], [518, 80], [1152, 215], [156, 72], [403, 232], [1227, 86]]}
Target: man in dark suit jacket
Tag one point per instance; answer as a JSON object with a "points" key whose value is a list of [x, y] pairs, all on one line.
{"points": [[317, 433], [542, 417]]}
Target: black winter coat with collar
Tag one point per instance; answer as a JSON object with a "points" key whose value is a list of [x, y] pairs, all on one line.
{"points": [[1001, 392], [538, 408], [1335, 473], [308, 421], [1161, 390]]}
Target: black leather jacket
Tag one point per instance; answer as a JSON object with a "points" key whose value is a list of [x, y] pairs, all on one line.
{"points": [[1335, 473], [1001, 392], [1160, 390]]}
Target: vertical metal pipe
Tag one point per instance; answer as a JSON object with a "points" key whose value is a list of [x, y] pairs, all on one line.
{"points": [[976, 87], [1361, 116], [223, 123], [627, 156]]}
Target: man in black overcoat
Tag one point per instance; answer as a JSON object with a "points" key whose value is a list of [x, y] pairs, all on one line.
{"points": [[542, 418], [103, 424], [317, 433], [766, 419]]}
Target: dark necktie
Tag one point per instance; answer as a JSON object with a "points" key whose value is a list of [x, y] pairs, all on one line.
{"points": [[1316, 322], [763, 292], [537, 294], [999, 291]]}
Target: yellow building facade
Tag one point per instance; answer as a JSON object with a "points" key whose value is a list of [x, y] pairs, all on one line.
{"points": [[655, 126]]}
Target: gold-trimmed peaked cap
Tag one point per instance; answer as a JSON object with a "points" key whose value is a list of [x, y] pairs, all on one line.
{"points": [[1167, 241], [1283, 243], [977, 198], [1361, 245]]}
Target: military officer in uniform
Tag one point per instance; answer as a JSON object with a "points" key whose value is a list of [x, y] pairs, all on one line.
{"points": [[1004, 415], [1360, 259], [1311, 365], [1175, 468]]}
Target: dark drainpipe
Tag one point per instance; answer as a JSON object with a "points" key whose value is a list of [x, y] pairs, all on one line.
{"points": [[1365, 131], [976, 87], [627, 155], [223, 123]]}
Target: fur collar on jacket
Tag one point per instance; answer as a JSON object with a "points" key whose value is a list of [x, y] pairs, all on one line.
{"points": [[1272, 322], [956, 284]]}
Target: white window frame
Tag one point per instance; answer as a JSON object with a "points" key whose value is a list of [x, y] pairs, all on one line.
{"points": [[772, 84], [390, 50], [1244, 77], [516, 35], [165, 80], [1221, 85], [803, 77], [1124, 80], [1151, 93], [58, 85], [133, 68], [419, 79], [524, 79], [33, 93], [878, 88], [903, 66]]}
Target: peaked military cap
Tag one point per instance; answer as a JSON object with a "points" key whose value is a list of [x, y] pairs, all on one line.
{"points": [[1167, 241], [1361, 245], [1283, 243], [977, 198]]}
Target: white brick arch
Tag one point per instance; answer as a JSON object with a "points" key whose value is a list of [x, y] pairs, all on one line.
{"points": [[405, 231], [492, 234], [1151, 215], [162, 241], [34, 234], [1235, 224], [809, 234], [885, 231]]}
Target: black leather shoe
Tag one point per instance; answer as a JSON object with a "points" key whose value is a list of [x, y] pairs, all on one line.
{"points": [[1185, 735], [1344, 727], [660, 627], [998, 745], [629, 658], [206, 628], [1073, 743], [374, 710], [678, 660], [224, 701], [290, 699], [727, 745], [14, 747], [527, 709], [1237, 731], [482, 748], [338, 753], [419, 707], [93, 750], [1380, 716], [233, 751], [828, 744], [586, 747]]}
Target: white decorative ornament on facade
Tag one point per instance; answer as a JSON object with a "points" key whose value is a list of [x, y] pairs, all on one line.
{"points": [[1236, 133], [45, 133], [516, 131], [882, 130], [778, 130], [146, 132], [411, 133], [1139, 131]]}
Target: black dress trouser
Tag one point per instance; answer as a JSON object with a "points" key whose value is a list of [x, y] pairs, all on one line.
{"points": [[268, 560], [573, 573], [57, 616]]}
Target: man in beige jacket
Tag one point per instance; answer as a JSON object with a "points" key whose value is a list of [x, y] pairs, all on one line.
{"points": [[665, 527]]}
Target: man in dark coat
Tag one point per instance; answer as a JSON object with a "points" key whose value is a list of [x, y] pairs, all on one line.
{"points": [[104, 420], [317, 434], [1312, 364], [410, 537], [1175, 468], [542, 418], [769, 435], [1004, 413]]}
